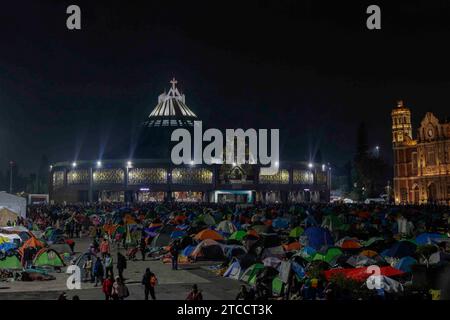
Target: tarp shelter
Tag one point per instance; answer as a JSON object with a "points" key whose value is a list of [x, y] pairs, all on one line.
{"points": [[10, 262], [6, 215], [208, 234], [318, 237], [385, 283], [234, 271], [362, 273], [14, 203], [405, 264], [47, 257]]}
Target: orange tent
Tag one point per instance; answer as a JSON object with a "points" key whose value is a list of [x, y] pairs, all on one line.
{"points": [[350, 244], [369, 253], [208, 234], [31, 243], [252, 233], [293, 246]]}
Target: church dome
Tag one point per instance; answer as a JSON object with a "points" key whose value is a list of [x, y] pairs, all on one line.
{"points": [[171, 110]]}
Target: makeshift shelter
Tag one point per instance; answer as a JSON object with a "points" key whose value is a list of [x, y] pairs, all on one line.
{"points": [[293, 246], [369, 253], [13, 203], [160, 240], [234, 251], [188, 250], [47, 257], [318, 237], [329, 256], [208, 234], [177, 234], [273, 262], [280, 223], [234, 271], [359, 261], [7, 216], [10, 262], [208, 249], [277, 252]]}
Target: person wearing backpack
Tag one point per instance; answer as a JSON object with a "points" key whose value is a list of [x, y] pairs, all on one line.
{"points": [[119, 290], [149, 281]]}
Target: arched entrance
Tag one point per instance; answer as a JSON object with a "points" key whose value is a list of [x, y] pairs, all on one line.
{"points": [[432, 193]]}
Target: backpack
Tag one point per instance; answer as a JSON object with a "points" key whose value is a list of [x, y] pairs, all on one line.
{"points": [[153, 280]]}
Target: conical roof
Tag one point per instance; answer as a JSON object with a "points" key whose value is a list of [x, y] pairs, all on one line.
{"points": [[171, 110]]}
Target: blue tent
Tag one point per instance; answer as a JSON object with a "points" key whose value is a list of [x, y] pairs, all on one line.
{"points": [[298, 269], [177, 234], [6, 246], [318, 237], [402, 249], [429, 238], [280, 223], [405, 264], [188, 250]]}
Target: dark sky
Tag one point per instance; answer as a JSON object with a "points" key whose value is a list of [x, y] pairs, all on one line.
{"points": [[310, 68]]}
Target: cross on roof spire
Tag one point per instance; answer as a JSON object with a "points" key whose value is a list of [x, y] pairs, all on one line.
{"points": [[173, 82]]}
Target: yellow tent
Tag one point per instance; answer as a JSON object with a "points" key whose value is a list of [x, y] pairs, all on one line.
{"points": [[7, 215]]}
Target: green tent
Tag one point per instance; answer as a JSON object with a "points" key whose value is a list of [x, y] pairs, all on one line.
{"points": [[250, 274], [372, 241], [277, 286], [238, 235], [10, 263], [48, 258], [296, 232], [329, 256]]}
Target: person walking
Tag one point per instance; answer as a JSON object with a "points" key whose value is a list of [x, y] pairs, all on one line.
{"points": [[149, 281], [195, 294], [109, 265], [119, 290], [121, 264], [143, 247], [87, 267], [174, 253], [107, 287], [98, 271], [104, 247]]}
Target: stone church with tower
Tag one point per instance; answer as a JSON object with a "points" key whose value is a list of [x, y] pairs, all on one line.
{"points": [[421, 165]]}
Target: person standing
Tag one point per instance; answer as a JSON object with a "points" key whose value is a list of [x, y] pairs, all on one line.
{"points": [[121, 264], [149, 281], [195, 294], [143, 247], [174, 253], [104, 248], [107, 287], [109, 271], [87, 267], [119, 290], [98, 271]]}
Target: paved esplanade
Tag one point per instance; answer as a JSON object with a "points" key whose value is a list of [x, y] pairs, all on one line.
{"points": [[172, 284]]}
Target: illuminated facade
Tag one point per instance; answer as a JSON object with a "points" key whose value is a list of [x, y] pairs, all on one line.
{"points": [[422, 165], [146, 179]]}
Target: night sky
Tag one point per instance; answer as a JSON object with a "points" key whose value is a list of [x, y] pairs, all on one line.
{"points": [[310, 68]]}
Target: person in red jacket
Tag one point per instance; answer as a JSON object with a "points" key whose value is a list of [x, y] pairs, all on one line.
{"points": [[107, 287]]}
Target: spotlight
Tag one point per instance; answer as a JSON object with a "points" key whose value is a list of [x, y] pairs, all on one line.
{"points": [[192, 162], [323, 167], [74, 164], [129, 163], [99, 163], [310, 165]]}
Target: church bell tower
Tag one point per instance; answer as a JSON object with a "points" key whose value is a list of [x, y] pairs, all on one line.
{"points": [[401, 124]]}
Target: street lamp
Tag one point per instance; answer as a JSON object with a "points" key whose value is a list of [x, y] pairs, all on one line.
{"points": [[99, 163], [74, 164]]}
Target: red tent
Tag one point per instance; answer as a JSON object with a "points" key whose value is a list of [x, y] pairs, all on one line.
{"points": [[361, 274]]}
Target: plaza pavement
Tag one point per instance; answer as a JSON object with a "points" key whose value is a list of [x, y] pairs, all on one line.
{"points": [[172, 285]]}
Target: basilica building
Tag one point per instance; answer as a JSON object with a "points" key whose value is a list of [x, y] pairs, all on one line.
{"points": [[421, 165]]}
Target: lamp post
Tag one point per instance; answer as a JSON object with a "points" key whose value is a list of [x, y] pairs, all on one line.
{"points": [[11, 163]]}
